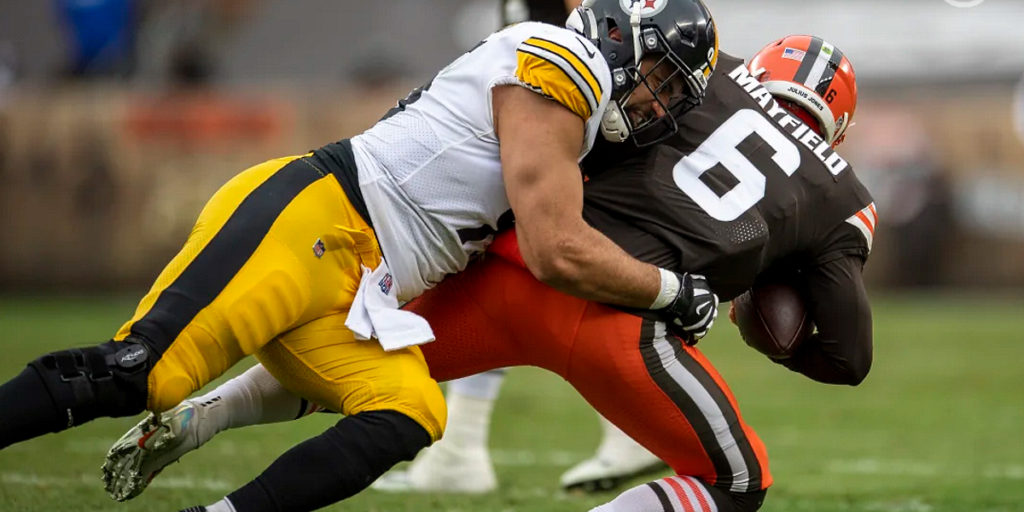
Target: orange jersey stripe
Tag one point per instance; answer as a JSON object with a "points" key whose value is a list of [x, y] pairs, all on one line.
{"points": [[870, 225]]}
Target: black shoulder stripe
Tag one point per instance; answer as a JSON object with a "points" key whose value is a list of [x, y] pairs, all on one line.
{"points": [[805, 66], [830, 72]]}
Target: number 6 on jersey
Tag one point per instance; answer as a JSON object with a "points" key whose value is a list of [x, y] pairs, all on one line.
{"points": [[721, 149]]}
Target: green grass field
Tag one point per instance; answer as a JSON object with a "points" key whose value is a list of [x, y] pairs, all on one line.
{"points": [[937, 427]]}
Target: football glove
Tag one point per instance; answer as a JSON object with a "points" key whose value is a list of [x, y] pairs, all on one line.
{"points": [[692, 312]]}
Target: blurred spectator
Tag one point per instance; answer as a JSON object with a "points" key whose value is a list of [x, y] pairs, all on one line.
{"points": [[547, 11], [1018, 109], [899, 162], [101, 36], [178, 39], [380, 70], [922, 222], [8, 69], [8, 74]]}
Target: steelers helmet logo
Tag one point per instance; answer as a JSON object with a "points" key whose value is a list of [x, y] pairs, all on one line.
{"points": [[648, 8]]}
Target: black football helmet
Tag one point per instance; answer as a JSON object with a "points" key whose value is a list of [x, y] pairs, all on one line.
{"points": [[679, 33]]}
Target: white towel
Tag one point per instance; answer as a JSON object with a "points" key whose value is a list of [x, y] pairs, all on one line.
{"points": [[375, 313]]}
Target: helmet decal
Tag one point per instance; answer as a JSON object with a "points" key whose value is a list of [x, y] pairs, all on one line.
{"points": [[647, 9], [793, 54]]}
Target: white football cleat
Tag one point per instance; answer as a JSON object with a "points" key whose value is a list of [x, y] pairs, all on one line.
{"points": [[619, 458], [443, 468], [145, 450]]}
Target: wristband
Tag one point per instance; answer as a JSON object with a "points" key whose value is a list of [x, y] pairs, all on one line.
{"points": [[669, 289]]}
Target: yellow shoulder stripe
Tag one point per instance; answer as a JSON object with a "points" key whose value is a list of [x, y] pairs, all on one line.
{"points": [[571, 65], [550, 80]]}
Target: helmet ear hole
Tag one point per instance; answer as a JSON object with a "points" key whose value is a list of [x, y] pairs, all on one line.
{"points": [[688, 35], [614, 32]]}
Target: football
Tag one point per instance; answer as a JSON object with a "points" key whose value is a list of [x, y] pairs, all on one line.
{"points": [[773, 319]]}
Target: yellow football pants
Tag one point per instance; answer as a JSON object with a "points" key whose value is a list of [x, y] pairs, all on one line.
{"points": [[271, 268]]}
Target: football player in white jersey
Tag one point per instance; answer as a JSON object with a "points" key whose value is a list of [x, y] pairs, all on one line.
{"points": [[496, 315], [300, 260]]}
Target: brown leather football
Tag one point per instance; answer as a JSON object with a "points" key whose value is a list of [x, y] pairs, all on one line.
{"points": [[773, 319]]}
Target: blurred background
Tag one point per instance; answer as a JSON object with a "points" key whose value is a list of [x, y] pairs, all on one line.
{"points": [[118, 118]]}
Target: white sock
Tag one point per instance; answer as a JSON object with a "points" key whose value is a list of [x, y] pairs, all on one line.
{"points": [[470, 404], [253, 398], [616, 444], [680, 492], [483, 386], [223, 505]]}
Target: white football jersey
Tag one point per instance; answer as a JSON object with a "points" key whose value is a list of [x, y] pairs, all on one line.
{"points": [[431, 172]]}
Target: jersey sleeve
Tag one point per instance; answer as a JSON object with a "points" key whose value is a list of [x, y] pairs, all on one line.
{"points": [[565, 68], [854, 237], [840, 352], [866, 220]]}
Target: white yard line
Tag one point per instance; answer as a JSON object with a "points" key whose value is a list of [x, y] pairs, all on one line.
{"points": [[520, 458], [912, 505], [869, 466], [93, 481]]}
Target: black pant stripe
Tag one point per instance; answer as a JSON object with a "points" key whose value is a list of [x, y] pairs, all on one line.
{"points": [[685, 403], [225, 254], [730, 414], [666, 504], [804, 70]]}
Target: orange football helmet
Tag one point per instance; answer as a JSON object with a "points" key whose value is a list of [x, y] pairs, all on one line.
{"points": [[813, 74]]}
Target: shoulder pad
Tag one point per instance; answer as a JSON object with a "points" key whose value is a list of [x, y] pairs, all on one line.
{"points": [[564, 67]]}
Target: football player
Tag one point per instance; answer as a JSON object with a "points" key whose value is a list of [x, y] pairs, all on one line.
{"points": [[777, 197], [618, 457], [300, 260]]}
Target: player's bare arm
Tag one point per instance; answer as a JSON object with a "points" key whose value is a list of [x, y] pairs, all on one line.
{"points": [[540, 143]]}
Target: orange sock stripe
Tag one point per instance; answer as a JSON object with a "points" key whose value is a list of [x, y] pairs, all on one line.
{"points": [[695, 486], [681, 494]]}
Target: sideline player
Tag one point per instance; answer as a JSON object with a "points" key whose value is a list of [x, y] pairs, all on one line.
{"points": [[804, 212], [275, 264]]}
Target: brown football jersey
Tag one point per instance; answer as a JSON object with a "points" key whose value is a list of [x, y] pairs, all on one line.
{"points": [[744, 186]]}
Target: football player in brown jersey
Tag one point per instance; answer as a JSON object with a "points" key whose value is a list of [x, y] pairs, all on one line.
{"points": [[791, 205]]}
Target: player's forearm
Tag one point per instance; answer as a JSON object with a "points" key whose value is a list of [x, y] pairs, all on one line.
{"points": [[586, 264], [829, 361], [841, 351]]}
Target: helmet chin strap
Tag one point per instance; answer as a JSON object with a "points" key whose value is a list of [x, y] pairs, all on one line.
{"points": [[634, 25], [614, 126]]}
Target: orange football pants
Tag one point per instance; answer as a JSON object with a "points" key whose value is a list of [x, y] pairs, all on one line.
{"points": [[664, 394]]}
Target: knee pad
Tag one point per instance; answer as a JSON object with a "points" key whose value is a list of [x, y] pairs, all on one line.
{"points": [[106, 380]]}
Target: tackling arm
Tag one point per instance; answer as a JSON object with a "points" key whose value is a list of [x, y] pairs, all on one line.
{"points": [[540, 142]]}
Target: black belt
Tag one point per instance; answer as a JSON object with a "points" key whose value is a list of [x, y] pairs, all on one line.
{"points": [[338, 159]]}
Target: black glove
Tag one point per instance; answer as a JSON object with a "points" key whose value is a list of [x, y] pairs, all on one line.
{"points": [[692, 312]]}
